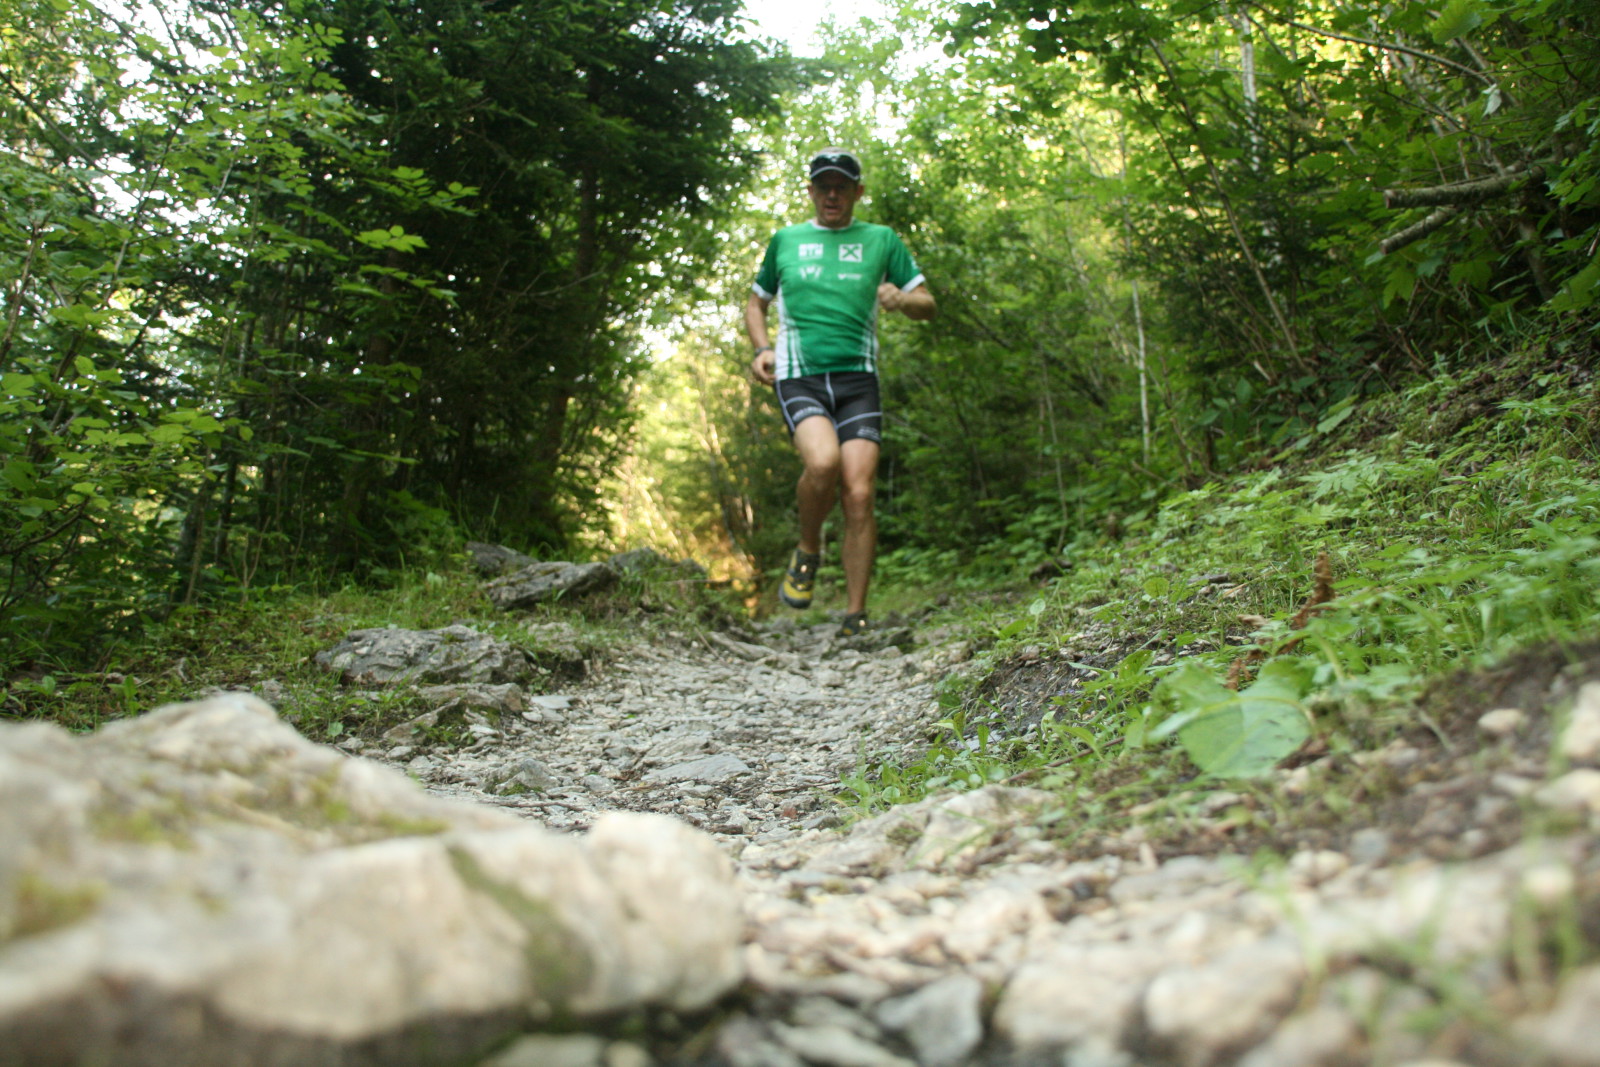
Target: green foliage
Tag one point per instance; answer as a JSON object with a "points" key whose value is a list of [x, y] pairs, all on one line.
{"points": [[1461, 520], [1252, 143], [1235, 734], [297, 290], [951, 762]]}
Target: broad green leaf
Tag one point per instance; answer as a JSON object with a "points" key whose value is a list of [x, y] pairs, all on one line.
{"points": [[1237, 735], [1581, 291], [18, 385], [1475, 273], [1335, 418], [20, 475], [1459, 18], [1016, 626], [168, 433]]}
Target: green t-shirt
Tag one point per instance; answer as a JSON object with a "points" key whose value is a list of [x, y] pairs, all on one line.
{"points": [[825, 283]]}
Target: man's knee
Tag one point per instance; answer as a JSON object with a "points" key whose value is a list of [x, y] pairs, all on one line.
{"points": [[821, 467], [856, 498]]}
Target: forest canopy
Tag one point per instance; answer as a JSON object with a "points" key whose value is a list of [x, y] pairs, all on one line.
{"points": [[298, 289]]}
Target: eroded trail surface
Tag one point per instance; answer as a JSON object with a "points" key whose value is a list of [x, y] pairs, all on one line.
{"points": [[957, 931], [740, 738]]}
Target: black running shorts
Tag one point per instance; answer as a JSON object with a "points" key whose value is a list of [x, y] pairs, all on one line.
{"points": [[848, 398]]}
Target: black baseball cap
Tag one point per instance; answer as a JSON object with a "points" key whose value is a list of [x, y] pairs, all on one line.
{"points": [[837, 160]]}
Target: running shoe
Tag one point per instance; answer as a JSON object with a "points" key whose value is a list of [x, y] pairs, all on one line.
{"points": [[855, 624], [799, 578]]}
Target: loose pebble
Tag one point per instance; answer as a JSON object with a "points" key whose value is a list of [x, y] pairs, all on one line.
{"points": [[1580, 741], [1502, 722]]}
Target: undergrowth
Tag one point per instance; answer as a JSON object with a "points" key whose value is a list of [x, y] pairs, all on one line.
{"points": [[268, 642], [1300, 607]]}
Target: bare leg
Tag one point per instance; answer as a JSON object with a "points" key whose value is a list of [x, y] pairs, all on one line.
{"points": [[859, 470], [818, 444]]}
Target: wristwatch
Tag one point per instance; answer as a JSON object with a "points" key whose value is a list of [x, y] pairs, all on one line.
{"points": [[763, 348]]}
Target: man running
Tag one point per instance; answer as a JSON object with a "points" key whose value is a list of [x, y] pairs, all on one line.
{"points": [[830, 276]]}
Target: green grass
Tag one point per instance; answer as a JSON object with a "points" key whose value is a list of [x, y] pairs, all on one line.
{"points": [[275, 635], [1446, 552]]}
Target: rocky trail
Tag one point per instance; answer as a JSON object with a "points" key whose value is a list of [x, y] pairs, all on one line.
{"points": [[955, 931], [651, 868]]}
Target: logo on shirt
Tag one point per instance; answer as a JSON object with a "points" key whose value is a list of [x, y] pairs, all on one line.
{"points": [[850, 253], [810, 272], [810, 251]]}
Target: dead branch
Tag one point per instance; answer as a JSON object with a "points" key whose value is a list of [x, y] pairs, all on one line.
{"points": [[1418, 230], [1321, 592], [1460, 193]]}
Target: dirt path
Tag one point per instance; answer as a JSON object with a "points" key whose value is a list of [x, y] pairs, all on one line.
{"points": [[956, 931]]}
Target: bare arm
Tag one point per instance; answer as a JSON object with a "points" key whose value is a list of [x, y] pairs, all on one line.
{"points": [[916, 304], [764, 366]]}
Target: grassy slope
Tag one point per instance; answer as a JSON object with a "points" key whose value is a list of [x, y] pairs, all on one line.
{"points": [[1458, 523]]}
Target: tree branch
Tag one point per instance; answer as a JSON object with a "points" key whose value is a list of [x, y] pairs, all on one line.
{"points": [[1403, 49], [1417, 231], [1461, 193]]}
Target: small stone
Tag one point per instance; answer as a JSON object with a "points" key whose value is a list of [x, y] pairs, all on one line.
{"points": [[1513, 785], [1575, 791], [710, 769], [942, 1020], [1231, 1002], [824, 1011], [823, 820], [743, 1042], [1580, 741], [1548, 885], [626, 1054], [400, 752], [594, 783], [1567, 1031], [1324, 1035], [988, 918], [1296, 781], [1076, 994], [1218, 802], [551, 1050], [1313, 867], [834, 1046], [522, 776], [1097, 1052], [1502, 722], [1398, 755]]}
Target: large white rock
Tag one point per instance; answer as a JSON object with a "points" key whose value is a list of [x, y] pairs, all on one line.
{"points": [[1072, 994], [203, 885], [1210, 1013], [939, 833], [449, 656]]}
